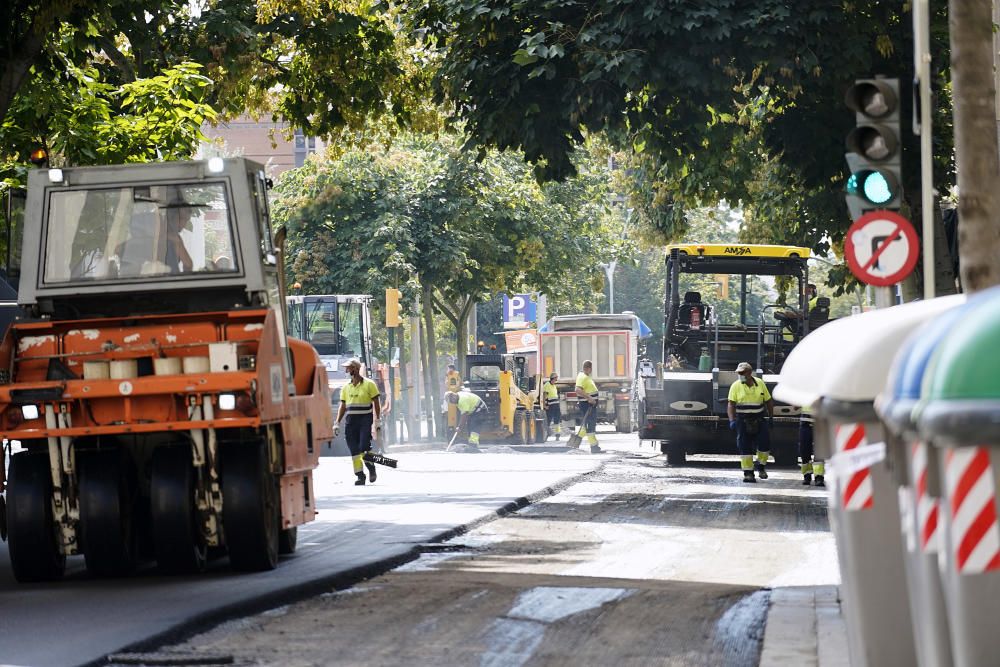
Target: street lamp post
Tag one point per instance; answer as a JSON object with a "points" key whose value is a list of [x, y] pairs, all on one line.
{"points": [[609, 273]]}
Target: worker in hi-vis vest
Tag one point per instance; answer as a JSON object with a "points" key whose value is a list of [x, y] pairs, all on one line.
{"points": [[471, 410], [586, 397], [359, 402], [810, 464], [749, 403], [553, 413]]}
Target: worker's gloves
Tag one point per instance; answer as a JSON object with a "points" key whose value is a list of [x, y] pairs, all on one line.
{"points": [[732, 424], [378, 424], [336, 430]]}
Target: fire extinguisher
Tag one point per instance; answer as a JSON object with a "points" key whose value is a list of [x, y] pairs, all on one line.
{"points": [[696, 318]]}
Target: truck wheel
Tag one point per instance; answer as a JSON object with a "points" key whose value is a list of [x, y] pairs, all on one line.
{"points": [[288, 539], [32, 536], [177, 540], [251, 514], [541, 427], [107, 533], [676, 456], [623, 418]]}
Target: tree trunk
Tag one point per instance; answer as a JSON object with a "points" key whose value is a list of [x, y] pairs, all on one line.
{"points": [[459, 317], [976, 148], [432, 374]]}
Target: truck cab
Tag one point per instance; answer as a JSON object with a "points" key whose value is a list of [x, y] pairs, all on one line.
{"points": [[149, 356]]}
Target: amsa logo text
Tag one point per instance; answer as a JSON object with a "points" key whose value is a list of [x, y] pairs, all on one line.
{"points": [[737, 250]]}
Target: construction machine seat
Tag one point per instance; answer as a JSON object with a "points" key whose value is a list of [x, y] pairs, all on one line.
{"points": [[819, 315], [693, 313]]}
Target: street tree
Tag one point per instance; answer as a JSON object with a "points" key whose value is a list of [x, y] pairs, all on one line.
{"points": [[978, 164]]}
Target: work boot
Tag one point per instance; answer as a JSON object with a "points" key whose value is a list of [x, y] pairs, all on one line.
{"points": [[595, 449], [361, 479], [748, 477], [372, 473], [807, 479], [761, 470], [819, 480]]}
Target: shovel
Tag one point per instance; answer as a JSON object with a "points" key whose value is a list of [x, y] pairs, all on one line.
{"points": [[372, 457], [575, 440]]}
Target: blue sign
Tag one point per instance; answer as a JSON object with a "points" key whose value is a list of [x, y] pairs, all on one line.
{"points": [[518, 311]]}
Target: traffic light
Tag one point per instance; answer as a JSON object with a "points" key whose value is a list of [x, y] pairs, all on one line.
{"points": [[874, 147], [392, 308]]}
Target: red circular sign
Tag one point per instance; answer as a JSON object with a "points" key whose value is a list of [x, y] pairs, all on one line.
{"points": [[881, 248]]}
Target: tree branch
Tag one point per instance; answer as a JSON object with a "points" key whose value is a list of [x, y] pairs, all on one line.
{"points": [[120, 60]]}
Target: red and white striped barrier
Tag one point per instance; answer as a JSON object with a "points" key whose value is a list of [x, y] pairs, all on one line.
{"points": [[857, 493], [974, 531], [927, 506]]}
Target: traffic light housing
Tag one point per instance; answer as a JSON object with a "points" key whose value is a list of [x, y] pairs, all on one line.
{"points": [[392, 318], [874, 147]]}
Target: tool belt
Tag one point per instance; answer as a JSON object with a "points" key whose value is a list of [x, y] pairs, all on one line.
{"points": [[751, 415]]}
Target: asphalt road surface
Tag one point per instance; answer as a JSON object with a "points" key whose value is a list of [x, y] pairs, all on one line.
{"points": [[360, 530], [634, 564]]}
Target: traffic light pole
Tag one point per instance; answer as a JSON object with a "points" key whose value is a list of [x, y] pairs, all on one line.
{"points": [[922, 67]]}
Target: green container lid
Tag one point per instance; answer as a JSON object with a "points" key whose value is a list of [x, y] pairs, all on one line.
{"points": [[967, 361], [961, 389]]}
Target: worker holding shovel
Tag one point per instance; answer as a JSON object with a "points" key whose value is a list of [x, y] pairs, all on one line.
{"points": [[470, 407]]}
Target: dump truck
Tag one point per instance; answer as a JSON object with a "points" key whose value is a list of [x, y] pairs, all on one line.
{"points": [[511, 396], [339, 327], [158, 406], [611, 342], [709, 328]]}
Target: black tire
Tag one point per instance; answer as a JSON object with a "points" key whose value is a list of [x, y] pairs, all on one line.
{"points": [[288, 540], [676, 456], [32, 536], [541, 427], [623, 418], [177, 542], [520, 428], [251, 511], [107, 533]]}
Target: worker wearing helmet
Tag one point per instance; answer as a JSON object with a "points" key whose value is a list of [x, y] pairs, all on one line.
{"points": [[586, 393], [553, 413], [359, 402], [471, 408], [749, 403]]}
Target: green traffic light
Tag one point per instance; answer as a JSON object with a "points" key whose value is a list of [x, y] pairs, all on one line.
{"points": [[871, 185]]}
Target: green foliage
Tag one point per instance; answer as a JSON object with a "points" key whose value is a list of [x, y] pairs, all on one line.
{"points": [[422, 212]]}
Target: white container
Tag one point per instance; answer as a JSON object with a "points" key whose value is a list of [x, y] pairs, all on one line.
{"points": [[167, 366], [196, 364], [124, 369], [96, 370]]}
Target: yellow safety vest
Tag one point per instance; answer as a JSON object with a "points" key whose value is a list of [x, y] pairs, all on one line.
{"points": [[358, 398], [585, 382], [749, 400], [551, 393], [468, 402]]}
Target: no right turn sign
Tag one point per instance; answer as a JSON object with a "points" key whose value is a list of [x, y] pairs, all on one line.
{"points": [[881, 248]]}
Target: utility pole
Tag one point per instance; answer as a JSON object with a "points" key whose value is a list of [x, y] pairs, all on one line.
{"points": [[609, 272], [415, 423]]}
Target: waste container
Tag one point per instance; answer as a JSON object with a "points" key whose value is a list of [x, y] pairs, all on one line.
{"points": [[960, 416], [838, 370], [919, 484]]}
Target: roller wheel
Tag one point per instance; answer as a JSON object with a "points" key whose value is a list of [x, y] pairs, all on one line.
{"points": [[623, 418], [106, 527], [251, 513], [32, 534], [177, 540], [287, 540]]}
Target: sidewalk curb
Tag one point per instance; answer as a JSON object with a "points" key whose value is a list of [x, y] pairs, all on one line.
{"points": [[340, 580], [805, 627]]}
